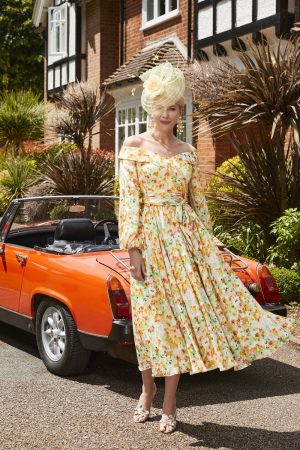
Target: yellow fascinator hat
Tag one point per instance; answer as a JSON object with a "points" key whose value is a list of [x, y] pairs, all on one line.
{"points": [[163, 86]]}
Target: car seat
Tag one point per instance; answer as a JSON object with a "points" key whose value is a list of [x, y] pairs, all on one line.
{"points": [[73, 235]]}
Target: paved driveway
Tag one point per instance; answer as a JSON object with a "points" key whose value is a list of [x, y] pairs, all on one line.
{"points": [[256, 408]]}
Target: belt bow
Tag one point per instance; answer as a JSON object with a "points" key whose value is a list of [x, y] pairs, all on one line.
{"points": [[176, 199]]}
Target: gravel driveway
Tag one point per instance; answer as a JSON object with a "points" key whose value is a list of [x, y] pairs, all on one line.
{"points": [[256, 408]]}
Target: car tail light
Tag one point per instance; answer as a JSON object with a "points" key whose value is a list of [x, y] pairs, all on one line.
{"points": [[268, 285], [118, 299]]}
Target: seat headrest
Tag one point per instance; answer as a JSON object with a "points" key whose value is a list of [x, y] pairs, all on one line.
{"points": [[78, 230]]}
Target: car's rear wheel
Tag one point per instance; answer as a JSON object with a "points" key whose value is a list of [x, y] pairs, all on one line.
{"points": [[58, 340]]}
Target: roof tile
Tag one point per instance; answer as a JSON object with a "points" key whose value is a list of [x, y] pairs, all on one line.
{"points": [[144, 60]]}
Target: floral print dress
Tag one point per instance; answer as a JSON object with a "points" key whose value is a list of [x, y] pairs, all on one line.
{"points": [[191, 313]]}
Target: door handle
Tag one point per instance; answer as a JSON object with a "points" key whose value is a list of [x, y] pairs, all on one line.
{"points": [[21, 259]]}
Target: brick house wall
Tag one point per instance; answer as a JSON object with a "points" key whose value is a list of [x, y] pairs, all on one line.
{"points": [[136, 39], [102, 40]]}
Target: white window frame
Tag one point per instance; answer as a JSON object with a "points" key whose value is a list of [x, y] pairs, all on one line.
{"points": [[129, 103], [158, 19], [59, 24], [126, 105]]}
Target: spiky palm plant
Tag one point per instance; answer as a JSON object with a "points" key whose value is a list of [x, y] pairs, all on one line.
{"points": [[266, 90], [72, 173], [22, 117], [259, 108], [263, 191], [77, 111], [18, 176]]}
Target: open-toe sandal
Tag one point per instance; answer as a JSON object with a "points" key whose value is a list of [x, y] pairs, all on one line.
{"points": [[168, 423], [141, 414]]}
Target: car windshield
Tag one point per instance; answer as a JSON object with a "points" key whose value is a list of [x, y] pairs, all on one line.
{"points": [[36, 220]]}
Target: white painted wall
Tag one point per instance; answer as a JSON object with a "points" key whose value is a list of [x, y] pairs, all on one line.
{"points": [[72, 71], [64, 74], [243, 12], [205, 22], [224, 16], [50, 79], [265, 8]]}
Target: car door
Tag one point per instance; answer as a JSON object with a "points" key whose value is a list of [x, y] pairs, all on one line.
{"points": [[12, 264]]}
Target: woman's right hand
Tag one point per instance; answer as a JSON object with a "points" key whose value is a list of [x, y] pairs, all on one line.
{"points": [[137, 262]]}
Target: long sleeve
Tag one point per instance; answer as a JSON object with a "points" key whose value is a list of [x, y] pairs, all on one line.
{"points": [[196, 198], [130, 227]]}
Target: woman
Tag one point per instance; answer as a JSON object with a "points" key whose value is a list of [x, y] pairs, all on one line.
{"points": [[190, 312]]}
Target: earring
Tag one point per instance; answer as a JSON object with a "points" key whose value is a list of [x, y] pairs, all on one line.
{"points": [[151, 123], [180, 126]]}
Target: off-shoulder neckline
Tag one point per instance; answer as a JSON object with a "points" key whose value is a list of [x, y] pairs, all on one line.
{"points": [[158, 154]]}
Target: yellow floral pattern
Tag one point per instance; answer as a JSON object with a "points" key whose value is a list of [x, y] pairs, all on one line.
{"points": [[191, 313]]}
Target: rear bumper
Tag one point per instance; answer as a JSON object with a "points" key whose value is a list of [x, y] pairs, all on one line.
{"points": [[121, 333], [275, 308]]}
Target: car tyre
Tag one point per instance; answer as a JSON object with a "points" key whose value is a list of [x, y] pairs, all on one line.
{"points": [[58, 339]]}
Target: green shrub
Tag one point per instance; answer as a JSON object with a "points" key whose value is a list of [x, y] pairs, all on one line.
{"points": [[16, 177], [22, 117], [117, 187], [231, 167], [59, 211], [286, 251], [105, 214], [246, 239], [288, 282], [217, 186]]}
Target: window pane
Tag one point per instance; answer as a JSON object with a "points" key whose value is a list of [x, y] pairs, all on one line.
{"points": [[57, 39], [161, 7], [131, 130], [56, 14], [131, 115], [121, 116], [62, 37], [142, 114], [57, 30], [142, 127], [121, 135], [150, 9], [173, 4]]}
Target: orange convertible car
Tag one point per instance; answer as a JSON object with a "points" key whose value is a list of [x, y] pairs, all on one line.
{"points": [[64, 278]]}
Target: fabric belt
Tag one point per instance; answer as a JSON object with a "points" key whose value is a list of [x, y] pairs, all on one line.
{"points": [[176, 199]]}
